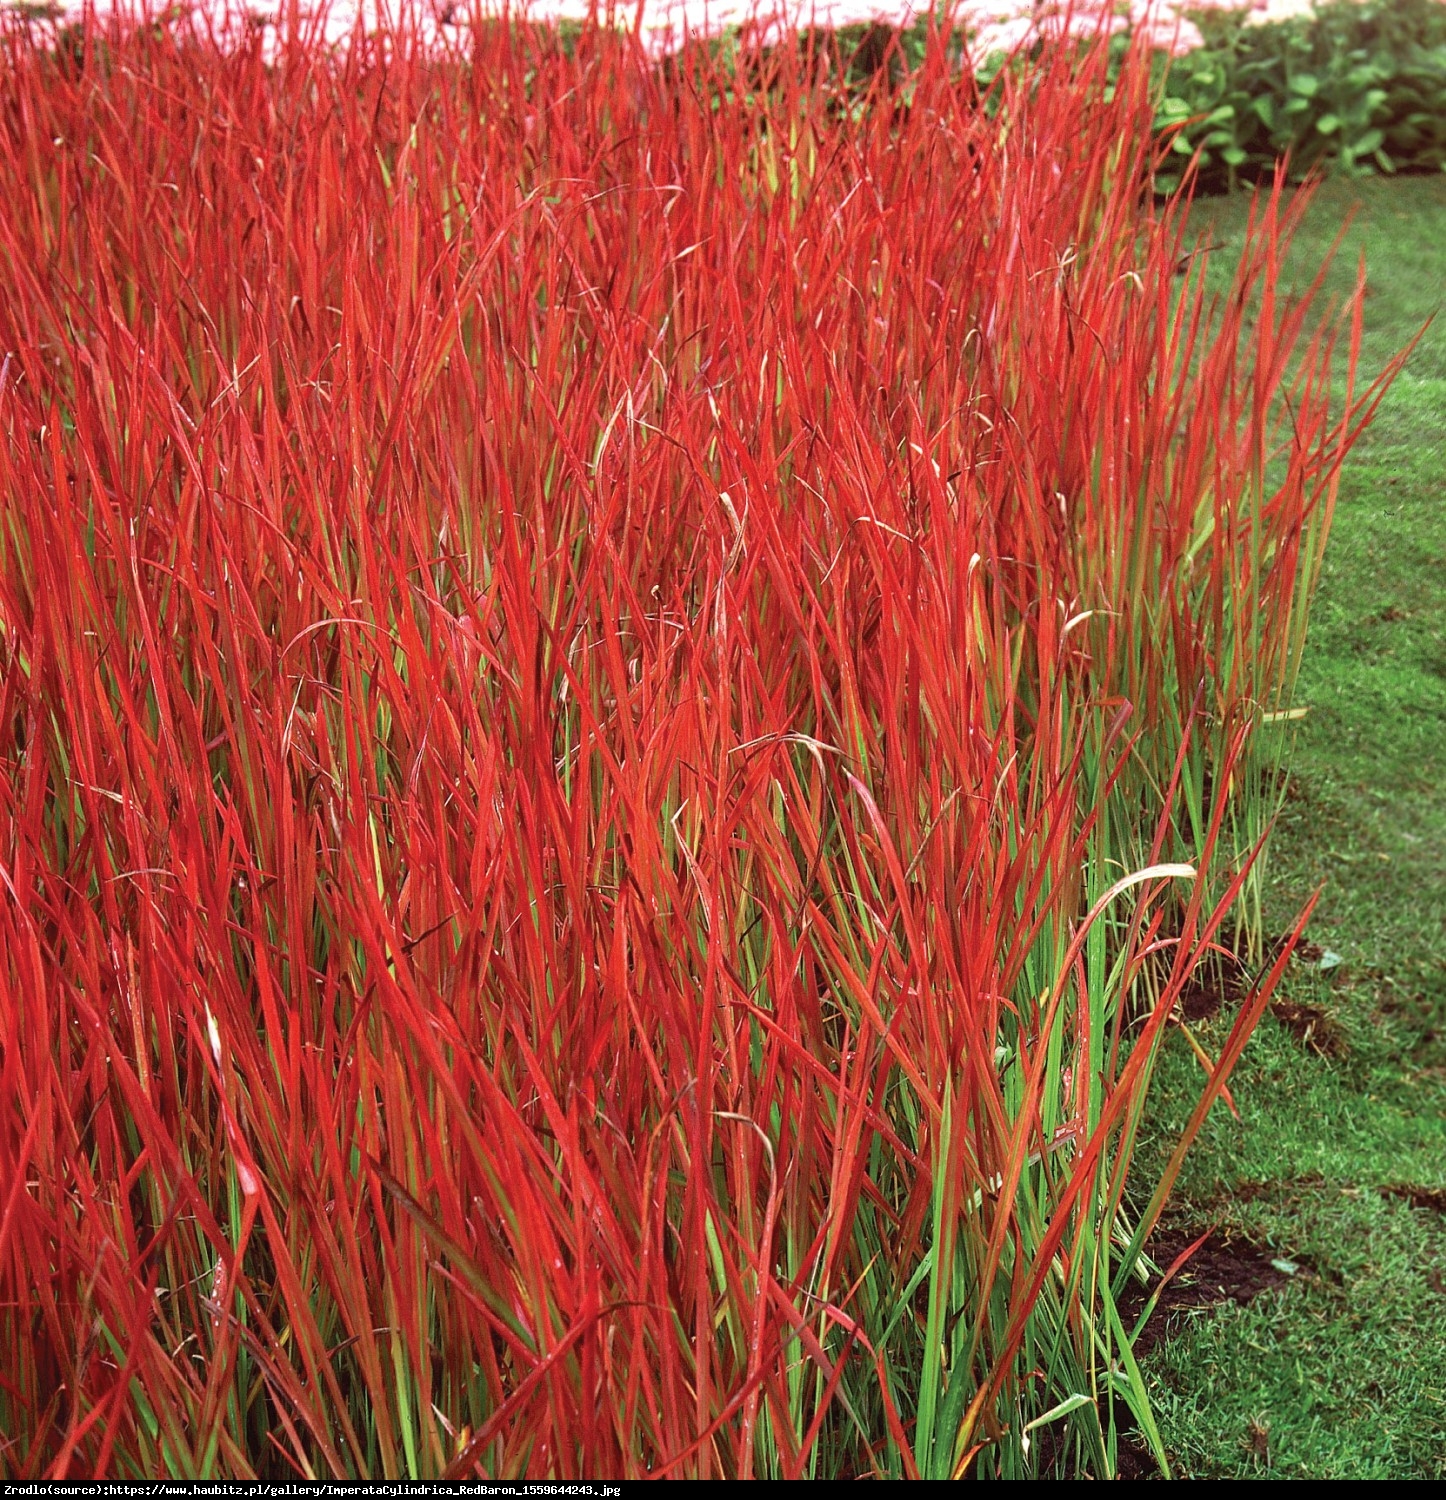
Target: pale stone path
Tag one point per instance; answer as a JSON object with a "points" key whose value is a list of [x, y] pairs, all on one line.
{"points": [[662, 25]]}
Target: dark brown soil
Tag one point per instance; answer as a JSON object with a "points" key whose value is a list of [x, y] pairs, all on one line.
{"points": [[1207, 994], [1221, 980], [1223, 1269], [1224, 979], [1132, 1457], [1226, 983], [1418, 1197], [1291, 1193], [1310, 1026], [1257, 1440], [1136, 1461]]}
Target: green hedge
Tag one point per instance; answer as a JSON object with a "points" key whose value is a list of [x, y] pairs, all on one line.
{"points": [[1356, 86]]}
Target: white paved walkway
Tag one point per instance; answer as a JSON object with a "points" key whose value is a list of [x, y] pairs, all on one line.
{"points": [[994, 25]]}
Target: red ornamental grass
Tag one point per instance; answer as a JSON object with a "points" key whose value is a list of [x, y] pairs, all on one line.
{"points": [[613, 679]]}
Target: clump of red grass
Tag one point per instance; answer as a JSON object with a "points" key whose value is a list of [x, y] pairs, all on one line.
{"points": [[587, 655]]}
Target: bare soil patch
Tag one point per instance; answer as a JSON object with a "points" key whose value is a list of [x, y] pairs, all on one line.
{"points": [[1225, 1268], [1433, 1199], [1226, 982], [1310, 1026]]}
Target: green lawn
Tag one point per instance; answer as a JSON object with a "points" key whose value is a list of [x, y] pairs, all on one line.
{"points": [[1341, 1371]]}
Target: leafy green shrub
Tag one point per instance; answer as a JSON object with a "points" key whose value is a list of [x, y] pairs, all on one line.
{"points": [[1358, 86]]}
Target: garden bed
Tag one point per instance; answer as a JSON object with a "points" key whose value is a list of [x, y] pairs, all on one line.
{"points": [[628, 696]]}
